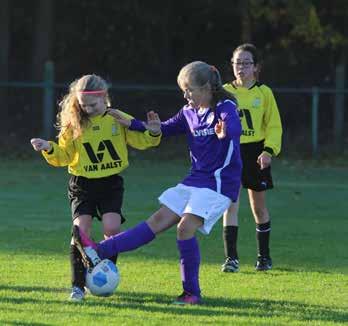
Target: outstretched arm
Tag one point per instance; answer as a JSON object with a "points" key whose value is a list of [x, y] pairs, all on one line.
{"points": [[173, 126], [40, 144], [142, 137], [119, 117], [153, 124], [55, 154]]}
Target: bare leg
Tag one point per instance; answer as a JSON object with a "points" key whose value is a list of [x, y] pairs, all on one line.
{"points": [[112, 226]]}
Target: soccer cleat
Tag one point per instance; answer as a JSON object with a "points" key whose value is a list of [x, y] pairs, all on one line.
{"points": [[263, 263], [230, 266], [90, 257], [187, 298], [77, 294]]}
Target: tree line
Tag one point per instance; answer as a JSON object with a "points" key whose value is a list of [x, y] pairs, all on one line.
{"points": [[302, 42]]}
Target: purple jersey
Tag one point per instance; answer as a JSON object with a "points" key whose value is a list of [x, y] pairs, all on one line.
{"points": [[215, 163]]}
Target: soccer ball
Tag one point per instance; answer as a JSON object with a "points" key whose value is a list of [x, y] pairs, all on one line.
{"points": [[103, 279]]}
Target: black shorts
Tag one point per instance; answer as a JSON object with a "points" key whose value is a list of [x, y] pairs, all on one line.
{"points": [[252, 176], [95, 197]]}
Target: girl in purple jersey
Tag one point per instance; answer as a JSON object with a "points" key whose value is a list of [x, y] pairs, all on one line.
{"points": [[212, 127]]}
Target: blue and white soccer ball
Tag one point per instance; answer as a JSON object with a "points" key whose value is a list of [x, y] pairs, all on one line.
{"points": [[103, 279]]}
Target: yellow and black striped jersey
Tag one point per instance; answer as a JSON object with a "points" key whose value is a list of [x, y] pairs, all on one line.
{"points": [[101, 150], [259, 116]]}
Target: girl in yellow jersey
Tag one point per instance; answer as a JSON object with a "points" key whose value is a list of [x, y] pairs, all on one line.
{"points": [[94, 147], [260, 142]]}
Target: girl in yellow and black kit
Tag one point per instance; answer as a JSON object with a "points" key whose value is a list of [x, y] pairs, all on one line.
{"points": [[94, 147], [260, 141]]}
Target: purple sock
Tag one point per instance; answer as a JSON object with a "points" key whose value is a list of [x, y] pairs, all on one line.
{"points": [[126, 241], [189, 265]]}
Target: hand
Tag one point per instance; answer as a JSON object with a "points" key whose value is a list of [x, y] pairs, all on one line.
{"points": [[220, 129], [264, 160], [153, 123], [40, 144], [119, 117]]}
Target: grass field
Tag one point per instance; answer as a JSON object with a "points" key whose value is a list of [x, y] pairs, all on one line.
{"points": [[308, 285]]}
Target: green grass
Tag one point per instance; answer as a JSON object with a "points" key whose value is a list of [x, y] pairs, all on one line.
{"points": [[308, 285]]}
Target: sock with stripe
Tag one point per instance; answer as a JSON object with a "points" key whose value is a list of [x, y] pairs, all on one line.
{"points": [[263, 232]]}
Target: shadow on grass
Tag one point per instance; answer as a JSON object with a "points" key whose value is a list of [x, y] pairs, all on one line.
{"points": [[159, 303], [20, 323], [24, 288]]}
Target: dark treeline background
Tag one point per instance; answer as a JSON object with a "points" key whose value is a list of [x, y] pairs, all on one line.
{"points": [[303, 43]]}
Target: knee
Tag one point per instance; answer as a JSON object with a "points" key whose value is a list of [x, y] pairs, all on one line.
{"points": [[155, 222], [180, 230], [85, 224], [261, 215], [184, 231], [230, 217]]}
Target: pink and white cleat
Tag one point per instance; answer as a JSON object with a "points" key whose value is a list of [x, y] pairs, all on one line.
{"points": [[187, 298], [86, 247]]}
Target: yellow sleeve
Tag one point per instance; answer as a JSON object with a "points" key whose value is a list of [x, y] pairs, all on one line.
{"points": [[142, 140], [61, 154], [273, 126]]}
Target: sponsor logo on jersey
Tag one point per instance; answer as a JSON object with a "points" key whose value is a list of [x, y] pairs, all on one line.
{"points": [[97, 157], [203, 132], [248, 132], [114, 130], [256, 102]]}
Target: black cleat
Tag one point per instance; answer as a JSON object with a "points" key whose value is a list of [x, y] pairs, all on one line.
{"points": [[89, 255], [263, 263], [230, 266]]}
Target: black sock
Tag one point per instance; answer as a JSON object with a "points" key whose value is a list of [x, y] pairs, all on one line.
{"points": [[77, 268], [263, 232], [230, 235]]}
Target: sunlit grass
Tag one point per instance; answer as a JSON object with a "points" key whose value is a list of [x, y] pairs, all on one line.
{"points": [[308, 285]]}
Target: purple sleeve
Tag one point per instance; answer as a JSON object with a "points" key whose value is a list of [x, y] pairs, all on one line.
{"points": [[137, 125], [173, 126], [229, 114]]}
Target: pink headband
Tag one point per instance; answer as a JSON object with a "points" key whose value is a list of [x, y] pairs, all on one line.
{"points": [[93, 92]]}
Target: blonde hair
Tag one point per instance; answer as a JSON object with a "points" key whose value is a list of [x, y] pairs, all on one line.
{"points": [[201, 74], [71, 117]]}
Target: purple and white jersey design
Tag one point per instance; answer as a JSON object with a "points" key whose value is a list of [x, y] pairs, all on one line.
{"points": [[215, 163]]}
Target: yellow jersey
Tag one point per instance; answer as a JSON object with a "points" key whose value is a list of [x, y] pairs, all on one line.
{"points": [[259, 116], [101, 150]]}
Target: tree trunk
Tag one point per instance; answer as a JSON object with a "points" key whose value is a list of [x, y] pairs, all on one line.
{"points": [[244, 8], [339, 104], [42, 43], [4, 61]]}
